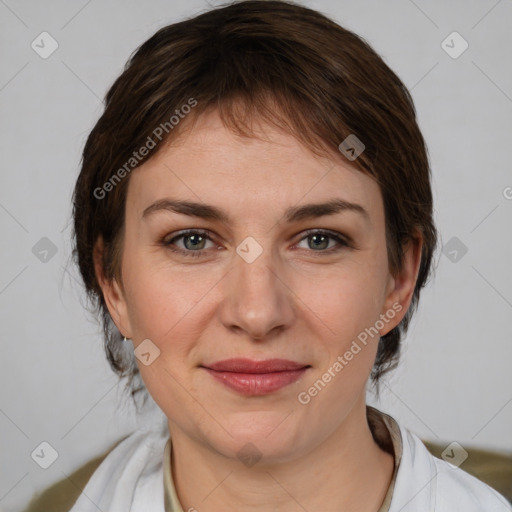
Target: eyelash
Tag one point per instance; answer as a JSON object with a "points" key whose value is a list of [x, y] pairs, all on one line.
{"points": [[205, 234]]}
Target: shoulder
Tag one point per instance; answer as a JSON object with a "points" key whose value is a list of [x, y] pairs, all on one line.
{"points": [[131, 474], [425, 482], [98, 480], [455, 488], [61, 495]]}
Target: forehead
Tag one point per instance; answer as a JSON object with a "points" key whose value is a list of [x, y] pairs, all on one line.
{"points": [[266, 173]]}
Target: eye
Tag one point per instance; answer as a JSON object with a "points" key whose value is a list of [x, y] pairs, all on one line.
{"points": [[320, 240], [194, 242]]}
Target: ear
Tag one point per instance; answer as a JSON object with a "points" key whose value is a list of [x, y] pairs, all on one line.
{"points": [[400, 288], [113, 292]]}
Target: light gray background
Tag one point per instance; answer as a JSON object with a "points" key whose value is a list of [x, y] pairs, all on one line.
{"points": [[455, 381]]}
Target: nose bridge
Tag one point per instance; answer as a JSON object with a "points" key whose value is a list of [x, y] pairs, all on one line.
{"points": [[256, 298], [257, 278]]}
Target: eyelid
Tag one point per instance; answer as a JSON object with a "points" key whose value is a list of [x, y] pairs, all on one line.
{"points": [[184, 232], [332, 234]]}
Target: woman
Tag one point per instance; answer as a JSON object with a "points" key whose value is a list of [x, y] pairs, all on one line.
{"points": [[253, 217]]}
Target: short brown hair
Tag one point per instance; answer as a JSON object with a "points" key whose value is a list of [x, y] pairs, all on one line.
{"points": [[289, 65]]}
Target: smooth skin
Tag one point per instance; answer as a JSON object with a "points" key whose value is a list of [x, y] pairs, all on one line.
{"points": [[305, 298]]}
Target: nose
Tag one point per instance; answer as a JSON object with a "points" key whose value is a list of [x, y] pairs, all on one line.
{"points": [[257, 301]]}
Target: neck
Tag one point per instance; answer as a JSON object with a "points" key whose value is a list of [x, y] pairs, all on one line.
{"points": [[347, 471]]}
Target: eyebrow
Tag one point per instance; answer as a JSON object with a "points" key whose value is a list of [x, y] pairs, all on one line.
{"points": [[292, 214]]}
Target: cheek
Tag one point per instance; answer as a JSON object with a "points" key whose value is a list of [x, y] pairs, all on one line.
{"points": [[172, 306], [351, 310], [350, 299], [158, 296], [152, 308], [162, 306]]}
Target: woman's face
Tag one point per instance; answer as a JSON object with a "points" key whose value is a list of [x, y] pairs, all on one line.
{"points": [[272, 280]]}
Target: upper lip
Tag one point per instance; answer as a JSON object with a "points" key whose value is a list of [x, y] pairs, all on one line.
{"points": [[242, 365]]}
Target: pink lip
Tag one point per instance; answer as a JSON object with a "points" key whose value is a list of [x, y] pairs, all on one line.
{"points": [[250, 377]]}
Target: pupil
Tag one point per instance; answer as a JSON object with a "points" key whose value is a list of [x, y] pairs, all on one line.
{"points": [[195, 243], [323, 239]]}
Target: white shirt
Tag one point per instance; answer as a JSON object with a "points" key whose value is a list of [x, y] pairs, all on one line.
{"points": [[131, 479]]}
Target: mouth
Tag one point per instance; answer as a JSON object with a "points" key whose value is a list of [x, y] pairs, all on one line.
{"points": [[249, 377]]}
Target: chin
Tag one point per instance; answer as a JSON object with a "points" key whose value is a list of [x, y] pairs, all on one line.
{"points": [[258, 435]]}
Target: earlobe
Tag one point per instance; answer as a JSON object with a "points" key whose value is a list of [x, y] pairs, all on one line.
{"points": [[113, 295]]}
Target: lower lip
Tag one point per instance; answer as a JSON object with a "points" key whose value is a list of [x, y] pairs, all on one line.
{"points": [[257, 383]]}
